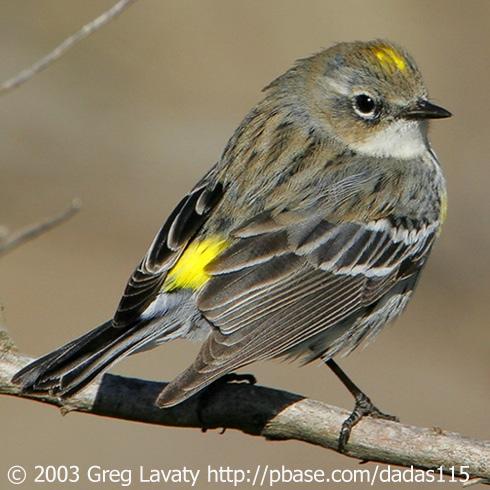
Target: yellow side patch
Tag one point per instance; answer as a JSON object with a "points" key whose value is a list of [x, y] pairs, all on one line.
{"points": [[389, 58], [443, 212], [190, 270]]}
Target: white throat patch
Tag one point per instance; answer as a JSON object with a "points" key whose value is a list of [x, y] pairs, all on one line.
{"points": [[402, 139]]}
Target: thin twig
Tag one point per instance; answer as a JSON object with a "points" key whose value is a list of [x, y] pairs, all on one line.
{"points": [[9, 241], [62, 48], [270, 413]]}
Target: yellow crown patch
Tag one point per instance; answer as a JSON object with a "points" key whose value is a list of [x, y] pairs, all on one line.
{"points": [[389, 58], [190, 270]]}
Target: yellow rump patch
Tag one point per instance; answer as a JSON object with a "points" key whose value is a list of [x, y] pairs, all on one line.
{"points": [[389, 58], [190, 270]]}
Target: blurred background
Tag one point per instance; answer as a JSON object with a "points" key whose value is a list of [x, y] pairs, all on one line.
{"points": [[132, 117]]}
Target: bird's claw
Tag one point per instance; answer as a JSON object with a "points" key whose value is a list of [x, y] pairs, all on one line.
{"points": [[362, 408]]}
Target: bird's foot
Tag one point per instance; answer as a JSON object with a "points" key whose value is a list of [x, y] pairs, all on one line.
{"points": [[237, 378], [362, 408]]}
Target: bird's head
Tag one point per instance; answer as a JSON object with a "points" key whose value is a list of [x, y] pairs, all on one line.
{"points": [[369, 95]]}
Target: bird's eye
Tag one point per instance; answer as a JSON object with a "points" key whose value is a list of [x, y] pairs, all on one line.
{"points": [[365, 106]]}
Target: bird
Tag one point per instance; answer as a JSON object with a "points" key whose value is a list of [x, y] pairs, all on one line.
{"points": [[305, 238]]}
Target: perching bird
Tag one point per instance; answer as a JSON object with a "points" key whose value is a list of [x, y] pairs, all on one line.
{"points": [[304, 239]]}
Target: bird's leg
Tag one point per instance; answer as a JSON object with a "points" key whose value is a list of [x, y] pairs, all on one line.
{"points": [[211, 389], [363, 405]]}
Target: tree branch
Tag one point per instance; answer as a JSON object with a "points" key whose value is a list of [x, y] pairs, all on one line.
{"points": [[266, 412], [62, 48], [9, 241]]}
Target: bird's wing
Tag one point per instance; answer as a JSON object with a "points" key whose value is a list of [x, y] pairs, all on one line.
{"points": [[289, 278], [167, 247]]}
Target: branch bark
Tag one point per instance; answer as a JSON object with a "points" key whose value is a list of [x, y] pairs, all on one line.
{"points": [[266, 412], [61, 49]]}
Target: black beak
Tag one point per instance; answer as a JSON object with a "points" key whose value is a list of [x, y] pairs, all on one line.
{"points": [[424, 109]]}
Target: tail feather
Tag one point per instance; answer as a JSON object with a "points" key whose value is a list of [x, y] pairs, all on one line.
{"points": [[70, 368], [41, 371]]}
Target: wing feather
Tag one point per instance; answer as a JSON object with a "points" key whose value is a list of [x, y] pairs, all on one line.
{"points": [[182, 224]]}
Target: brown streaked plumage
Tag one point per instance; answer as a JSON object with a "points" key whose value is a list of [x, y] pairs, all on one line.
{"points": [[306, 237]]}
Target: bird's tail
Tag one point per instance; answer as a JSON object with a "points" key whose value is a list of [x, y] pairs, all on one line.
{"points": [[70, 368]]}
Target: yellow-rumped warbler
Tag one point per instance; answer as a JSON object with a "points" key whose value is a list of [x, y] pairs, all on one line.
{"points": [[305, 238]]}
